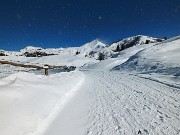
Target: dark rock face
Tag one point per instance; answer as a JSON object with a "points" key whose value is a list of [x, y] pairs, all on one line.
{"points": [[37, 54], [2, 54], [131, 43], [127, 44], [136, 40]]}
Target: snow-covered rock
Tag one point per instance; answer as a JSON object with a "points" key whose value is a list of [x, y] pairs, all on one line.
{"points": [[2, 53], [135, 40], [31, 51], [93, 49]]}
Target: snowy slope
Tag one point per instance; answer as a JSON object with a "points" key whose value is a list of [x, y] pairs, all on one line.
{"points": [[160, 56], [160, 62], [122, 57], [54, 60], [62, 60], [95, 47], [92, 46], [135, 40]]}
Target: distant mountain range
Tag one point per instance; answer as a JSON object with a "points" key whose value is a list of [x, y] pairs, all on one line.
{"points": [[93, 49]]}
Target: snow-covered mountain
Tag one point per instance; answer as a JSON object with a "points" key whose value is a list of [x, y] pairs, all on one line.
{"points": [[91, 50], [94, 48], [162, 57], [85, 50], [135, 40], [31, 51]]}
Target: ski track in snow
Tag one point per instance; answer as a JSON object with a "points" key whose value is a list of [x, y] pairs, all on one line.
{"points": [[122, 103]]}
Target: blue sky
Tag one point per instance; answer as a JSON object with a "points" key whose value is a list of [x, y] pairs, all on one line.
{"points": [[63, 23]]}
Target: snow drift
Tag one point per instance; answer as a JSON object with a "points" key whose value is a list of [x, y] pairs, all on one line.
{"points": [[29, 103]]}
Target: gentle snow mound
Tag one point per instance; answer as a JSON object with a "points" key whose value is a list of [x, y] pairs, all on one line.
{"points": [[31, 103]]}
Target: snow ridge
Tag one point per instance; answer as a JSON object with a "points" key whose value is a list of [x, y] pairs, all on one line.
{"points": [[135, 40]]}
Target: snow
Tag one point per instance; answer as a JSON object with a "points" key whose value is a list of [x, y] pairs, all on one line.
{"points": [[29, 103], [162, 59], [68, 60], [92, 46], [59, 60], [91, 49], [121, 58], [137, 40], [119, 103], [137, 89], [8, 80], [84, 49]]}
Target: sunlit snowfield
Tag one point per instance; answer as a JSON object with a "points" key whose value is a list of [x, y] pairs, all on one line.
{"points": [[136, 91]]}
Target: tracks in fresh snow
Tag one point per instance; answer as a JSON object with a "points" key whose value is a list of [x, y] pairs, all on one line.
{"points": [[124, 104], [117, 103]]}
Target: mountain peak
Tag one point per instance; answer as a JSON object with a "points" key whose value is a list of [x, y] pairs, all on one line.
{"points": [[95, 44]]}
